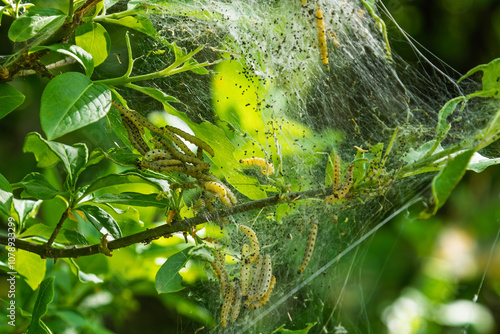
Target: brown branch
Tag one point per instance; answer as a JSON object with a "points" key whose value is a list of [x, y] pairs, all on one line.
{"points": [[56, 231], [165, 229]]}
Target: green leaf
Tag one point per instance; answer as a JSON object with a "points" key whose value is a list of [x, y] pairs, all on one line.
{"points": [[101, 220], [491, 78], [445, 181], [83, 57], [5, 195], [10, 99], [31, 266], [119, 179], [36, 185], [71, 101], [93, 38], [35, 21], [44, 298], [133, 199], [25, 208], [168, 278], [47, 153]]}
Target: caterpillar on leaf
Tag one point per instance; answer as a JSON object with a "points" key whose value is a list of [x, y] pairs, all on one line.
{"points": [[267, 167]]}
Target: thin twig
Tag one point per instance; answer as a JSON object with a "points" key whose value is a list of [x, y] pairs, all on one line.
{"points": [[57, 229]]}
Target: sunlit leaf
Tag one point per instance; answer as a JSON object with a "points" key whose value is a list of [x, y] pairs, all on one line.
{"points": [[93, 38], [31, 266]]}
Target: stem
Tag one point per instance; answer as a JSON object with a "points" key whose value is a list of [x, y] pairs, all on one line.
{"points": [[45, 251], [56, 231]]}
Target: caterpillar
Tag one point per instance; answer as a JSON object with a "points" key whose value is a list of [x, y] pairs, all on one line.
{"points": [[228, 301], [245, 269], [347, 182], [178, 142], [267, 167], [340, 192], [255, 281], [157, 154], [320, 23], [263, 301], [192, 139], [309, 248], [130, 115], [176, 154], [222, 266], [267, 273], [218, 190], [236, 307], [254, 242], [336, 172]]}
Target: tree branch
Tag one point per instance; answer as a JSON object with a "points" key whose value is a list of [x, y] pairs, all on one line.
{"points": [[165, 229]]}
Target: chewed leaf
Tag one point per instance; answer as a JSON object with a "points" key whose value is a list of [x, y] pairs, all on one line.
{"points": [[478, 163], [491, 78], [71, 101], [168, 278], [445, 181]]}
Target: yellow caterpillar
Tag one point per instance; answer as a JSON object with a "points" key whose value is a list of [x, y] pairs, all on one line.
{"points": [[320, 24], [228, 301], [263, 301], [267, 167], [245, 269], [311, 240], [254, 242]]}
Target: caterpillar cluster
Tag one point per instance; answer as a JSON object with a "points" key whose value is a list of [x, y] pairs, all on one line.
{"points": [[255, 284], [340, 190], [266, 167], [170, 154]]}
